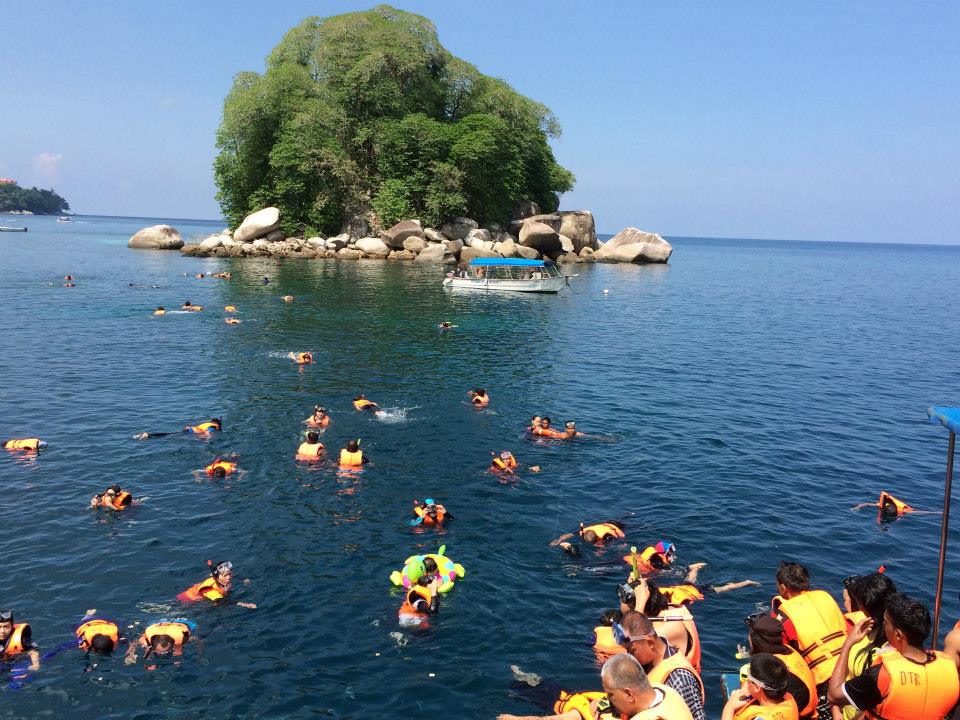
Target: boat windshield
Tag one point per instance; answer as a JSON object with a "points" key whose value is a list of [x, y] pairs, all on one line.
{"points": [[513, 272]]}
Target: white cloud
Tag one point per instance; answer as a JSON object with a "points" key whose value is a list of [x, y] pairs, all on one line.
{"points": [[45, 169]]}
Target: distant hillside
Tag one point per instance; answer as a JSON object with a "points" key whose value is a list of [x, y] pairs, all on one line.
{"points": [[14, 198]]}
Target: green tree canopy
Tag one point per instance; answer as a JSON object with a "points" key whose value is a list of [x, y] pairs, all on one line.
{"points": [[39, 202], [368, 111]]}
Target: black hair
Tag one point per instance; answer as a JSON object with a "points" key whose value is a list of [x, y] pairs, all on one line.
{"points": [[312, 437], [657, 602], [482, 391], [219, 471], [353, 445], [793, 576], [571, 550], [771, 671], [869, 594], [611, 616], [102, 644], [217, 421], [161, 644], [545, 419], [430, 564], [114, 487], [910, 617]]}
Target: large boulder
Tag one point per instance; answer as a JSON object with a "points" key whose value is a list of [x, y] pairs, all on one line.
{"points": [[338, 242], [508, 248], [317, 243], [469, 253], [566, 244], [402, 254], [525, 209], [434, 235], [189, 250], [414, 244], [374, 247], [541, 237], [212, 242], [156, 237], [257, 225], [477, 238], [356, 226], [633, 245], [395, 235], [458, 228], [348, 253], [578, 225], [527, 252], [453, 246], [551, 219], [434, 253]]}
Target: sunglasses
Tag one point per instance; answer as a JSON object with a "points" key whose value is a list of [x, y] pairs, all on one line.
{"points": [[621, 637]]}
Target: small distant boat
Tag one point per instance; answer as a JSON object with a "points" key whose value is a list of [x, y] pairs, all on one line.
{"points": [[509, 274], [64, 218], [12, 229]]}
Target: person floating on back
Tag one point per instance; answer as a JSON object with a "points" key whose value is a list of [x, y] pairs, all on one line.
{"points": [[892, 508], [301, 358]]}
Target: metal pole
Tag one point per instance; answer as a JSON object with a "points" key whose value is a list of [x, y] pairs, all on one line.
{"points": [[943, 538]]}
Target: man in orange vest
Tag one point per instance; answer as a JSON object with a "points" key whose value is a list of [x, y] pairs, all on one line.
{"points": [[662, 663], [813, 625], [908, 682], [15, 639]]}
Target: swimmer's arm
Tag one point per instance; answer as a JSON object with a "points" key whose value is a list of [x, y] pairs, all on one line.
{"points": [[34, 659], [364, 460], [641, 593], [865, 505], [569, 715], [693, 571], [198, 474], [565, 536], [727, 587], [131, 656], [95, 501]]}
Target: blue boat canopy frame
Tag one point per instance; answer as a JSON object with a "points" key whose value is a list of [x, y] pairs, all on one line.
{"points": [[508, 262], [949, 417]]}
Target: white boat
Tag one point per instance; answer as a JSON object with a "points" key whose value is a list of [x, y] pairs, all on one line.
{"points": [[508, 274], [64, 218]]}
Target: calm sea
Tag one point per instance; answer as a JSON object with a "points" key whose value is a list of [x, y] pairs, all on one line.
{"points": [[748, 394]]}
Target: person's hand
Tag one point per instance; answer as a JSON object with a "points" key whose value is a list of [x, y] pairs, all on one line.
{"points": [[91, 611], [859, 631], [534, 468], [252, 606], [739, 698]]}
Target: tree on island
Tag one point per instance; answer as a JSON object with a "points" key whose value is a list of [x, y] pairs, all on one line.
{"points": [[14, 198], [367, 110]]}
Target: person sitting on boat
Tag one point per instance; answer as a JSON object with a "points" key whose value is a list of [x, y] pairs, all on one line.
{"points": [[480, 273], [765, 695]]}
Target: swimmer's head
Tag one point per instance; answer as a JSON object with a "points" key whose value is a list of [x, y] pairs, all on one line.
{"points": [[102, 644], [312, 437], [430, 565], [505, 454], [589, 535], [353, 445], [217, 421], [545, 422], [219, 471], [162, 644]]}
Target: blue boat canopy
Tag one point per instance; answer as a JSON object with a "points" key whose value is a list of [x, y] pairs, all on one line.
{"points": [[507, 261], [949, 417]]}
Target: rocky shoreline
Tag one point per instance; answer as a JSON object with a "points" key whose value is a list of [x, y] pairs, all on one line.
{"points": [[564, 236]]}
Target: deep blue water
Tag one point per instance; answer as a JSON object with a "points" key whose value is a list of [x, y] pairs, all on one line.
{"points": [[752, 391]]}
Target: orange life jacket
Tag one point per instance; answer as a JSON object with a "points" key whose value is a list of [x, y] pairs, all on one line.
{"points": [[228, 467], [121, 501], [351, 459], [309, 451], [603, 531], [159, 312], [693, 652], [796, 666], [304, 358], [578, 701], [193, 308], [203, 427], [421, 512], [363, 404], [786, 709], [663, 669], [408, 610], [820, 629], [671, 707], [92, 628], [916, 691], [549, 432], [16, 643], [231, 321], [604, 643], [852, 618], [900, 505], [207, 589], [682, 594], [645, 560], [178, 632], [30, 444], [500, 464]]}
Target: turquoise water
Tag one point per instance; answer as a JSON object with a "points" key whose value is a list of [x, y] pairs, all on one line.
{"points": [[749, 394]]}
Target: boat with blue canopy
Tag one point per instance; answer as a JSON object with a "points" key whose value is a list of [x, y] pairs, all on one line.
{"points": [[508, 274]]}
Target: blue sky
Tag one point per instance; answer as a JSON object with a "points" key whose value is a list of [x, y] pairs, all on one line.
{"points": [[808, 120]]}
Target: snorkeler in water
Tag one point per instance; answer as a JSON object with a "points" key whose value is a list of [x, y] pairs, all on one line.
{"points": [[892, 508]]}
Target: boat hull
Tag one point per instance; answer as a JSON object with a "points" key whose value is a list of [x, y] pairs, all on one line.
{"points": [[546, 285]]}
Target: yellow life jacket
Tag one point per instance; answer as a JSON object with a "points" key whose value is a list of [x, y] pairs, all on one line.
{"points": [[228, 467], [208, 589], [820, 629], [90, 629], [203, 427], [604, 642], [17, 642], [309, 451], [796, 666], [663, 669], [784, 710], [604, 531], [916, 691], [578, 701], [671, 707], [178, 632], [32, 444], [351, 459], [682, 594], [852, 618]]}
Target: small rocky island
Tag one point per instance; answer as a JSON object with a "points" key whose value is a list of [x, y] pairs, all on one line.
{"points": [[563, 236]]}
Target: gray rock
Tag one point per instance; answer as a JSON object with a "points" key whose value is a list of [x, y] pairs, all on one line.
{"points": [[527, 252], [414, 244], [338, 242], [374, 247], [156, 237], [402, 254], [508, 248], [566, 244], [434, 235], [578, 225], [433, 253], [349, 254], [543, 238], [476, 236], [633, 245], [261, 244], [356, 226], [395, 235], [212, 242], [554, 221], [469, 253], [631, 252], [317, 243], [189, 250], [276, 236], [453, 246], [258, 224], [587, 253], [458, 228], [525, 209]]}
